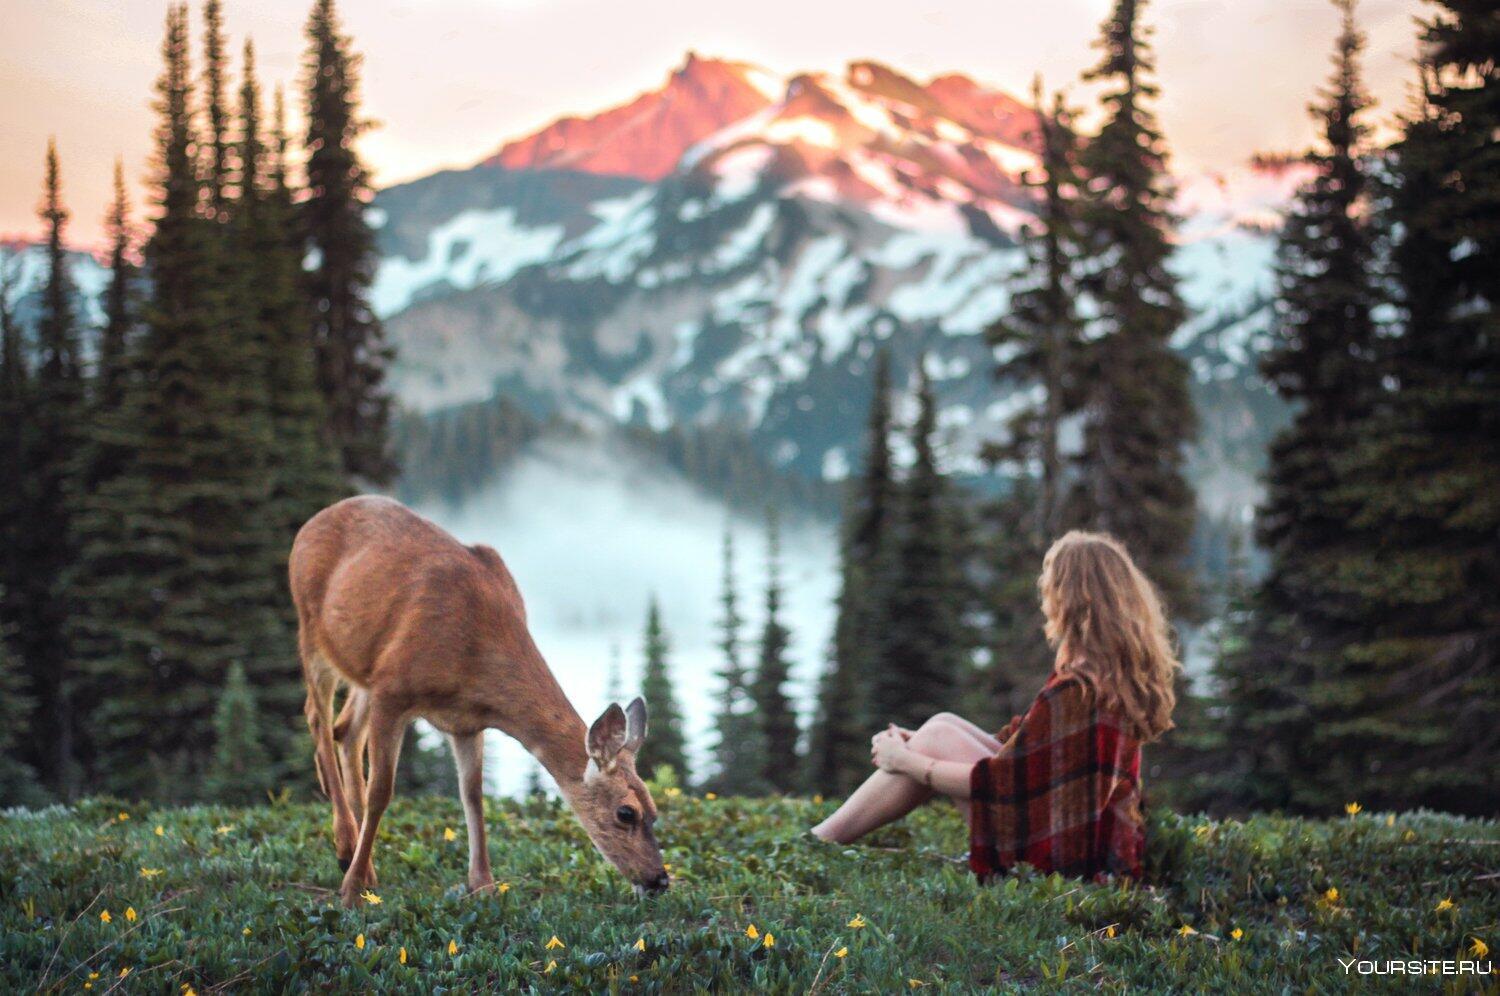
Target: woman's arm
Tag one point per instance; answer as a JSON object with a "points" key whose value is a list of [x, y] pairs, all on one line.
{"points": [[891, 753]]}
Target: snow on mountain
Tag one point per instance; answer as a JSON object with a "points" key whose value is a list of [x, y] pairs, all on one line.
{"points": [[751, 283], [24, 266]]}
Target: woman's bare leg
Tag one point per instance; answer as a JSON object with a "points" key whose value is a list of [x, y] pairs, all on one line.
{"points": [[885, 797], [974, 730]]}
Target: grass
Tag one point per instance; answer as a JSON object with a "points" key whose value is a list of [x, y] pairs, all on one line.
{"points": [[211, 898]]}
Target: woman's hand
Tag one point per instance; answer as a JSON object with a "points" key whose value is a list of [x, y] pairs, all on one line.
{"points": [[889, 752]]}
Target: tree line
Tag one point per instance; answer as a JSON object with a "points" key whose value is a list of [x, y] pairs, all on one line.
{"points": [[162, 462]]}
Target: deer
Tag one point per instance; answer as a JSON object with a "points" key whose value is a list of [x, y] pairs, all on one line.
{"points": [[414, 623]]}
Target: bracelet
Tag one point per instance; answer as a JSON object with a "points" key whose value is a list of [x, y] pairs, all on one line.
{"points": [[927, 775]]}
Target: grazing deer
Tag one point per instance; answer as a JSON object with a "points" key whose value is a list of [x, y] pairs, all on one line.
{"points": [[417, 624]]}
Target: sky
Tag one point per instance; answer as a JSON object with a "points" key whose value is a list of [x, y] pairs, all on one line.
{"points": [[448, 81]]}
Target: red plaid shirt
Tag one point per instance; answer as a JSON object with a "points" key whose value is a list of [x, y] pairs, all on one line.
{"points": [[1063, 793]]}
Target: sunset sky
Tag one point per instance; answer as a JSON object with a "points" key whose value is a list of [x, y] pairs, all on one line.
{"points": [[449, 80]]}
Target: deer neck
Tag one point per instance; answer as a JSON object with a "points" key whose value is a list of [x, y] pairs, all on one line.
{"points": [[555, 735]]}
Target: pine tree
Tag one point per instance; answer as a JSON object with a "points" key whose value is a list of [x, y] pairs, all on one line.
{"points": [[18, 785], [16, 499], [216, 182], [926, 640], [46, 543], [240, 771], [778, 723], [351, 351], [838, 756], [665, 744], [1138, 415], [1321, 362], [104, 453], [1413, 700], [301, 469], [738, 753], [1040, 342], [183, 577]]}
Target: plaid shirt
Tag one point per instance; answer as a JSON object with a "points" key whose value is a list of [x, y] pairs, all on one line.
{"points": [[1063, 793]]}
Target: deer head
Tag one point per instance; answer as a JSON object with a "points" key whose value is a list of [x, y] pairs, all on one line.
{"points": [[614, 805]]}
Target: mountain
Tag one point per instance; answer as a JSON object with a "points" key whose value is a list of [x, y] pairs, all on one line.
{"points": [[749, 284], [645, 138]]}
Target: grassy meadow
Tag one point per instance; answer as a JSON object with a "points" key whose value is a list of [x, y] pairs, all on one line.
{"points": [[110, 897]]}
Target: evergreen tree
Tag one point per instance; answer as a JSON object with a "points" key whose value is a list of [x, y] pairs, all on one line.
{"points": [[240, 773], [15, 498], [57, 411], [665, 745], [925, 627], [183, 577], [1138, 415], [738, 754], [301, 469], [351, 351], [1321, 362], [216, 181], [1412, 704], [778, 723], [104, 453], [1040, 344], [838, 755], [18, 785]]}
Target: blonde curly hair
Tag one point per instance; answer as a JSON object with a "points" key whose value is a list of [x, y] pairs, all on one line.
{"points": [[1105, 619]]}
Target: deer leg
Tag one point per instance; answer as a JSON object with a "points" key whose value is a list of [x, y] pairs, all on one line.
{"points": [[386, 726], [349, 731], [468, 756], [321, 681]]}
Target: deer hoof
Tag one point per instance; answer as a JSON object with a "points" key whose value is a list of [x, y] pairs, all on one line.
{"points": [[344, 864]]}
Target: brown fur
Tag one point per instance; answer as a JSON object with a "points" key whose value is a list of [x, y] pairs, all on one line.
{"points": [[414, 623]]}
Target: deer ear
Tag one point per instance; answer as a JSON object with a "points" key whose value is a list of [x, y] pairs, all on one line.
{"points": [[635, 724], [607, 736]]}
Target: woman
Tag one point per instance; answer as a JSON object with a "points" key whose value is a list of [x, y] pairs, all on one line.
{"points": [[1058, 788]]}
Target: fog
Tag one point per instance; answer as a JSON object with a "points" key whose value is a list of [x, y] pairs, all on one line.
{"points": [[590, 530]]}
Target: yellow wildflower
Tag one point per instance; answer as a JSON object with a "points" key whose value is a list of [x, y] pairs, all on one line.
{"points": [[401, 956], [359, 942], [150, 872], [371, 898], [673, 791], [770, 941], [858, 921], [160, 831], [666, 866], [105, 916], [915, 983], [635, 978], [1331, 896], [1390, 819], [1352, 808], [1109, 931], [1443, 905], [87, 986], [841, 953], [1202, 831], [817, 800], [1479, 949], [551, 966], [711, 796], [188, 990], [1236, 933], [123, 817], [1409, 836], [222, 829], [1186, 930], [123, 972], [503, 888], [130, 914], [751, 932], [452, 947], [93, 975], [448, 834], [555, 943], [640, 944], [246, 932]]}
